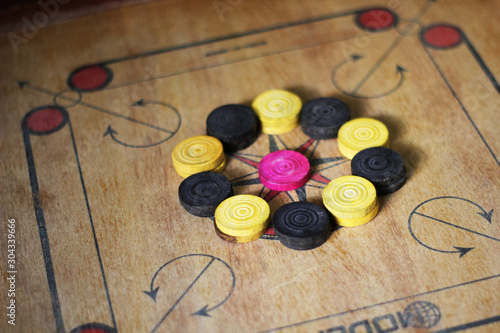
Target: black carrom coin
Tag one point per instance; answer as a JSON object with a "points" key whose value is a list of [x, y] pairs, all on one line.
{"points": [[201, 193], [235, 125], [301, 225], [382, 166], [321, 118]]}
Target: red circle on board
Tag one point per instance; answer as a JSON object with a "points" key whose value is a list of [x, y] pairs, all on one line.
{"points": [[45, 120], [92, 330], [376, 19], [442, 36], [90, 78]]}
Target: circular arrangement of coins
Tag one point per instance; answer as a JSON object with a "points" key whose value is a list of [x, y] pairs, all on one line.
{"points": [[351, 200]]}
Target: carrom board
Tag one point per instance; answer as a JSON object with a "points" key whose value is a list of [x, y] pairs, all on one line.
{"points": [[92, 108]]}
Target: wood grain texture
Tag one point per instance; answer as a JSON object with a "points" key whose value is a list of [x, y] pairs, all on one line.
{"points": [[125, 254]]}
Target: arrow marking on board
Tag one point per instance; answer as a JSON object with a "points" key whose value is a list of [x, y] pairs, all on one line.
{"points": [[460, 250], [393, 46], [141, 103], [27, 84], [354, 58], [206, 309]]}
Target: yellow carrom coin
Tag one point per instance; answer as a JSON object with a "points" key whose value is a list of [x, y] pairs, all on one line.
{"points": [[221, 167], [242, 218], [278, 111], [350, 198], [360, 220], [362, 133], [198, 154], [280, 129]]}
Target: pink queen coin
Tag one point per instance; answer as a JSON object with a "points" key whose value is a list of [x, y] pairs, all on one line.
{"points": [[284, 170]]}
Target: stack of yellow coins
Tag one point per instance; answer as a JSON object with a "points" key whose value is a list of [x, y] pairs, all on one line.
{"points": [[198, 154], [362, 133], [352, 200], [278, 111], [242, 218]]}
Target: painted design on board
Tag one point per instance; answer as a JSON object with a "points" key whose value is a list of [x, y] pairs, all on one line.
{"points": [[93, 328], [435, 36], [457, 225], [446, 37], [48, 119], [203, 269], [316, 179], [169, 114], [43, 121]]}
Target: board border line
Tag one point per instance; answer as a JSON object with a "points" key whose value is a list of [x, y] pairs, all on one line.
{"points": [[487, 320], [383, 303], [459, 101], [469, 325], [40, 217], [289, 24]]}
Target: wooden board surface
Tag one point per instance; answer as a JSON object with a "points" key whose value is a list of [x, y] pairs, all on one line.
{"points": [[101, 241]]}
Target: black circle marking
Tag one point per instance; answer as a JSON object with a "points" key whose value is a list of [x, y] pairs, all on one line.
{"points": [[74, 101]]}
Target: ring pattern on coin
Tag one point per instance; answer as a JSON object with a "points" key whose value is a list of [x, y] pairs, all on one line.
{"points": [[301, 225], [277, 105], [361, 133], [350, 197], [198, 154], [201, 193], [300, 219], [200, 151], [242, 215], [382, 166], [284, 170], [350, 194]]}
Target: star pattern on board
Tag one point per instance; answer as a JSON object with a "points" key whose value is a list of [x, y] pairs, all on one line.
{"points": [[316, 179]]}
